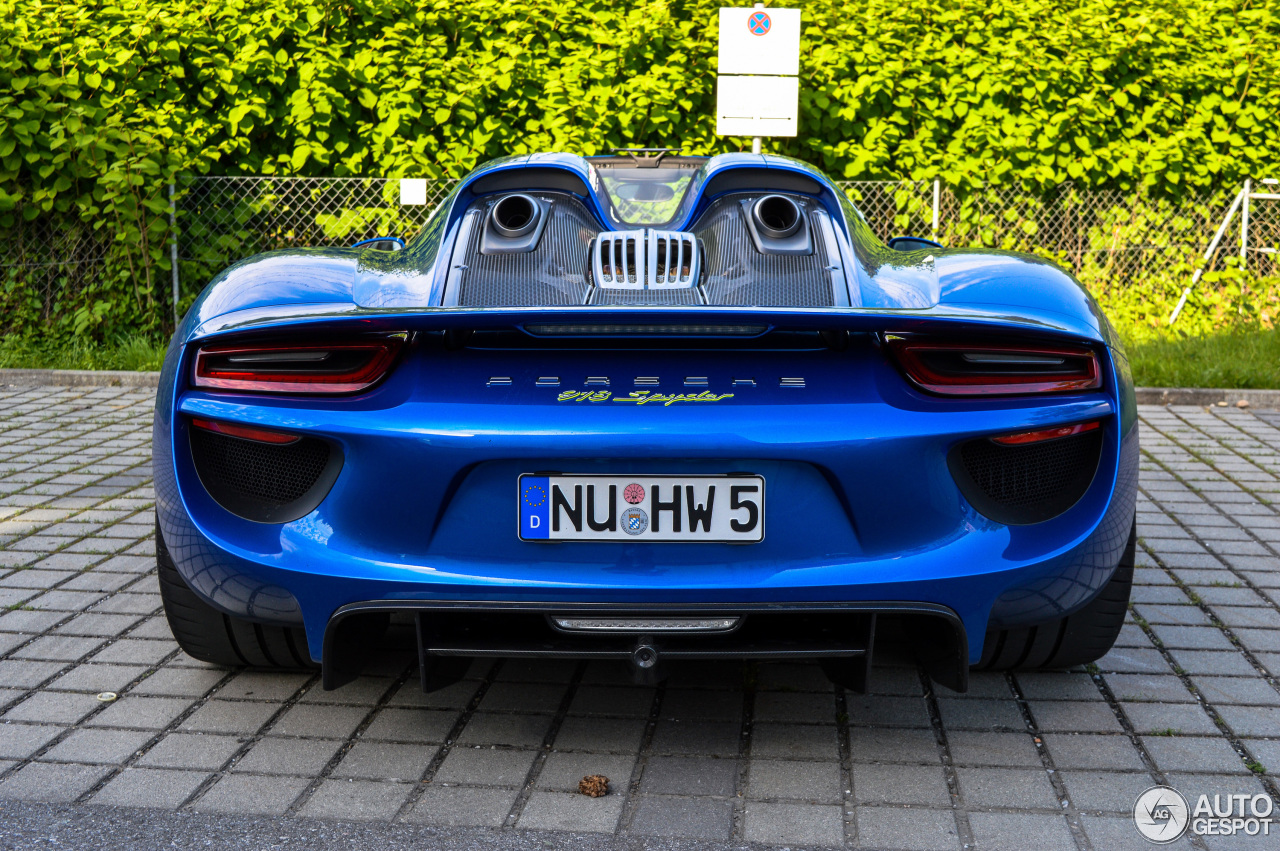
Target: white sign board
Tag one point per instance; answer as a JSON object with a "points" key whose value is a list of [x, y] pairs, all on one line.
{"points": [[760, 41], [413, 190], [757, 106]]}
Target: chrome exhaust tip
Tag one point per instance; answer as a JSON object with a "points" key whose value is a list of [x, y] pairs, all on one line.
{"points": [[515, 215], [776, 216]]}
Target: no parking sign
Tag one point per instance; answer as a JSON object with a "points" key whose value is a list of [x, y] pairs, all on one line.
{"points": [[760, 41], [758, 90]]}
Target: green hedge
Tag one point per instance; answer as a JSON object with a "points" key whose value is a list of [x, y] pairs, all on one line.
{"points": [[101, 104]]}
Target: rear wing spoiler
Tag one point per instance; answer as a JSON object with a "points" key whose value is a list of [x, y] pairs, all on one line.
{"points": [[701, 321]]}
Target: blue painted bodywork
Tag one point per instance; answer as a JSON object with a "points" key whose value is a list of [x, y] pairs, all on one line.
{"points": [[861, 504]]}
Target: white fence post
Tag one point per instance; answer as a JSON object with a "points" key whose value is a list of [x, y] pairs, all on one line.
{"points": [[1244, 224], [937, 190]]}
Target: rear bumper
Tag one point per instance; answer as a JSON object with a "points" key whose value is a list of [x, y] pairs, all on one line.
{"points": [[991, 575], [862, 507]]}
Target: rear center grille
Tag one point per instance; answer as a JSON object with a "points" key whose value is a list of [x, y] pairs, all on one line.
{"points": [[645, 259], [1024, 484]]}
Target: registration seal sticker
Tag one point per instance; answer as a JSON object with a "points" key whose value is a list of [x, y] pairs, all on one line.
{"points": [[635, 521]]}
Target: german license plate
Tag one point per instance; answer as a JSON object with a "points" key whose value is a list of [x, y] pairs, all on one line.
{"points": [[687, 509]]}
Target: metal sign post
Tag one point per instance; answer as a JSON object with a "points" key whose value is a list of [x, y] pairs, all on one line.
{"points": [[1241, 203], [1208, 254], [758, 87]]}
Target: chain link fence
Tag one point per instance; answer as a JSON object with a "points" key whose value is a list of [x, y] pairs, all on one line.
{"points": [[222, 219], [1108, 238], [43, 259]]}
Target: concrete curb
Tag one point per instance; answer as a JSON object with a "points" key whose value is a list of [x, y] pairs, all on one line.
{"points": [[1196, 396], [1201, 397], [79, 378]]}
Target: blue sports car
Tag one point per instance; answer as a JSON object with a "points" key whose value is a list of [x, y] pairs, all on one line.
{"points": [[646, 407]]}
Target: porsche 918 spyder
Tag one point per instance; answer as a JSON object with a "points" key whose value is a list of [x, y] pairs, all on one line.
{"points": [[646, 407]]}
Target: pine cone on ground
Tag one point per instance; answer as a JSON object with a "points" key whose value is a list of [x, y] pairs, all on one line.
{"points": [[594, 785]]}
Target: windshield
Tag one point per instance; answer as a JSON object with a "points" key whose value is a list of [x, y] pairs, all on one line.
{"points": [[648, 197]]}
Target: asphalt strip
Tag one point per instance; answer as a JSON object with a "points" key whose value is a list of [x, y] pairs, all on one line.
{"points": [[43, 826]]}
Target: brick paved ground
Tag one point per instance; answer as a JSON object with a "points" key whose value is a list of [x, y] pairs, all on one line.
{"points": [[768, 753]]}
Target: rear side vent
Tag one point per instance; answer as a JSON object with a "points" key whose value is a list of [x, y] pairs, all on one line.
{"points": [[260, 481], [1022, 483], [646, 259]]}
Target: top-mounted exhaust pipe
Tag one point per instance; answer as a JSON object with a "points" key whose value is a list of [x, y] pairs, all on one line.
{"points": [[515, 215], [515, 224], [778, 225], [776, 216]]}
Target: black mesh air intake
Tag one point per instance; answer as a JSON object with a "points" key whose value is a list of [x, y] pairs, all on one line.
{"points": [[606, 295], [737, 274], [261, 481], [1018, 485], [554, 273]]}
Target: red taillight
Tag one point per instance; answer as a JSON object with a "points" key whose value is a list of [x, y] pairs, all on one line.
{"points": [[1045, 434], [261, 435], [985, 369], [346, 367]]}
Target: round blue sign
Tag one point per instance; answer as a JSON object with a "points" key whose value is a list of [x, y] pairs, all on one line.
{"points": [[759, 23]]}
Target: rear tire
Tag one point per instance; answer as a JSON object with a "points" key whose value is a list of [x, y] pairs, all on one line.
{"points": [[212, 636], [1077, 639]]}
